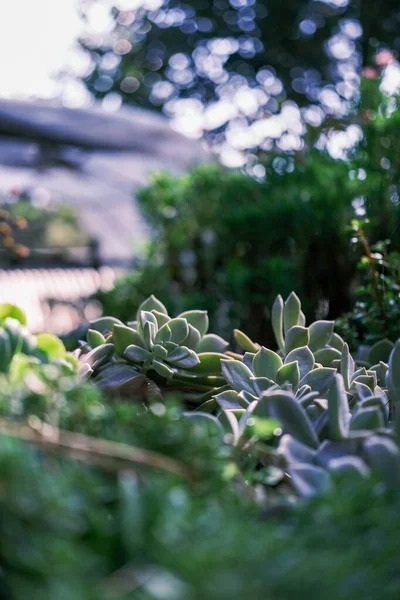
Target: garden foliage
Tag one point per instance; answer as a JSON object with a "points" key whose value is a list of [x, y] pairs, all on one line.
{"points": [[229, 243], [181, 469]]}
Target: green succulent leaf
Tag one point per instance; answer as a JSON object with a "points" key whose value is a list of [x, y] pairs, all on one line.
{"points": [[230, 400], [230, 424], [368, 380], [85, 372], [295, 451], [261, 384], [319, 379], [164, 334], [237, 375], [291, 312], [337, 342], [383, 456], [289, 373], [104, 324], [347, 366], [147, 317], [248, 358], [393, 375], [327, 355], [98, 356], [125, 381], [244, 341], [304, 357], [161, 318], [183, 357], [198, 319], [170, 346], [361, 390], [380, 352], [162, 369], [212, 343], [204, 419], [282, 406], [50, 345], [380, 370], [136, 354], [125, 336], [296, 337], [151, 303], [361, 372], [5, 351], [193, 338], [349, 466], [302, 391], [338, 410], [320, 334], [160, 352], [309, 480], [260, 428], [95, 338], [10, 310], [367, 418], [209, 363], [247, 397], [149, 333], [14, 330], [375, 401], [277, 321], [179, 330], [266, 363]]}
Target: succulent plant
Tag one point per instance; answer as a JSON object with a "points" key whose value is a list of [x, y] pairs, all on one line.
{"points": [[334, 414], [16, 339], [296, 416], [153, 353]]}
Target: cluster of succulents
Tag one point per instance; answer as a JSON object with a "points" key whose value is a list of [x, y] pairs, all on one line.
{"points": [[154, 353], [335, 415], [317, 409]]}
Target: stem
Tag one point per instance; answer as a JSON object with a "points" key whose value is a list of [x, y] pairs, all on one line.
{"points": [[201, 383], [207, 395], [89, 449], [374, 276]]}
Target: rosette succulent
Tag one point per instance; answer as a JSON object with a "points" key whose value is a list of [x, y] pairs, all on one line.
{"points": [[153, 353]]}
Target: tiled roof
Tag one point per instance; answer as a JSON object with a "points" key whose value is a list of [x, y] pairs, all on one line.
{"points": [[34, 290]]}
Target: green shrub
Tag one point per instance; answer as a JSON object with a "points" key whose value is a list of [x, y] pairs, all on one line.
{"points": [[229, 244], [377, 300]]}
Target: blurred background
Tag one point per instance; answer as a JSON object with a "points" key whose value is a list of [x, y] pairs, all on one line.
{"points": [[215, 153]]}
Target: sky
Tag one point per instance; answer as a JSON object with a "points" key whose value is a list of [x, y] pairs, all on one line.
{"points": [[36, 40]]}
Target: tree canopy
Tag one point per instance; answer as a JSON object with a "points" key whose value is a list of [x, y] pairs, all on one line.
{"points": [[223, 65]]}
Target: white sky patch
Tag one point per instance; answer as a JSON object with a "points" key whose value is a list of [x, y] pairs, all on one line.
{"points": [[37, 40]]}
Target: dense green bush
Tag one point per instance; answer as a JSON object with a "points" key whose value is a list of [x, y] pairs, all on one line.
{"points": [[223, 241], [229, 244], [377, 300]]}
